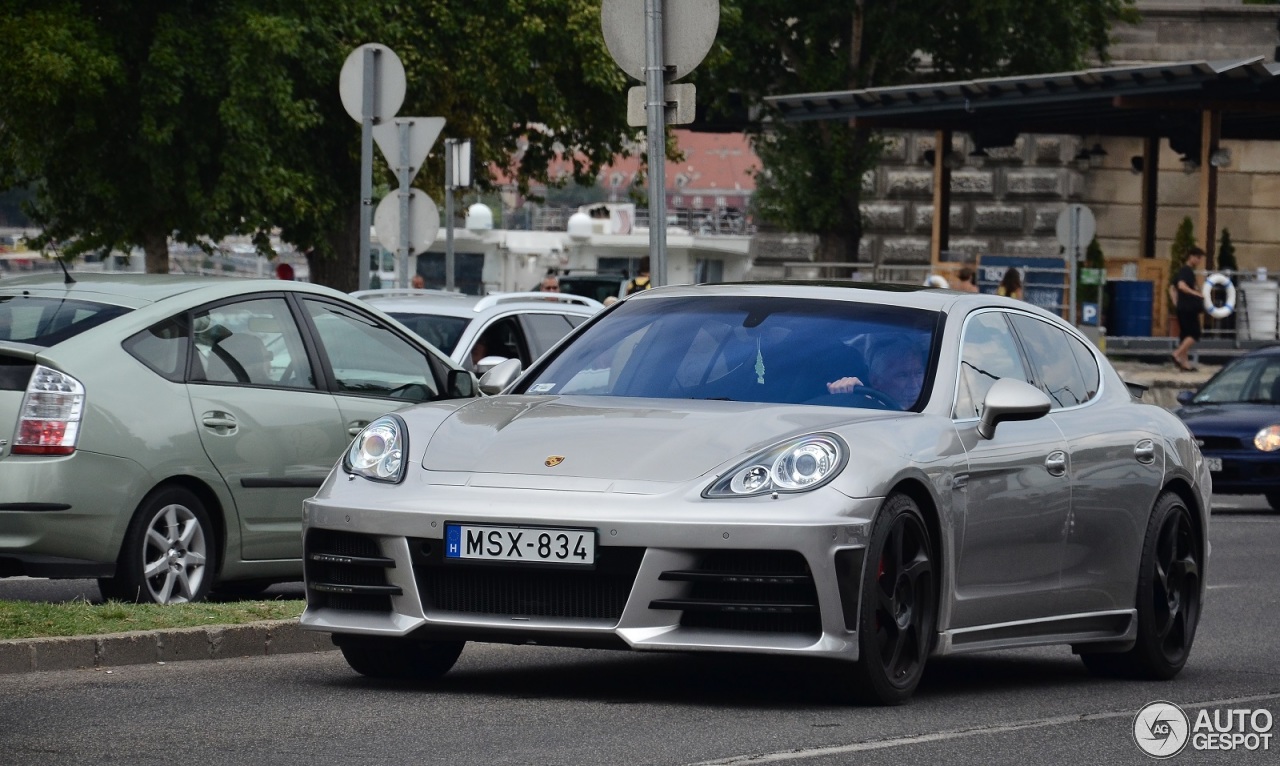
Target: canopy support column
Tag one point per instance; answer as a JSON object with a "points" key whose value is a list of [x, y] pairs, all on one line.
{"points": [[1210, 132], [941, 239]]}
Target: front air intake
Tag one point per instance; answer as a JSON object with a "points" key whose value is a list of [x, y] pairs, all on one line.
{"points": [[347, 571], [525, 590], [752, 591]]}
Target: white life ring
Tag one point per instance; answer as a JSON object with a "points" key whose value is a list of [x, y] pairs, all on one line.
{"points": [[935, 280], [1228, 306]]}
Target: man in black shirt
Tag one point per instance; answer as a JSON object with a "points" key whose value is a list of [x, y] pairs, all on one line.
{"points": [[1189, 305]]}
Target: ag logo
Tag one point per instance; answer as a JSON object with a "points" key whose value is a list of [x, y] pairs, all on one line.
{"points": [[1161, 729], [553, 461]]}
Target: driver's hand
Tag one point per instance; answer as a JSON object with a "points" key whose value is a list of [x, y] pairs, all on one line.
{"points": [[843, 385]]}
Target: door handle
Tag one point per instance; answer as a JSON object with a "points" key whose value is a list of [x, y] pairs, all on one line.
{"points": [[220, 422], [356, 426], [1056, 463], [1145, 451]]}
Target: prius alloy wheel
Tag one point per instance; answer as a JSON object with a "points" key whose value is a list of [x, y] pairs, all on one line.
{"points": [[167, 552]]}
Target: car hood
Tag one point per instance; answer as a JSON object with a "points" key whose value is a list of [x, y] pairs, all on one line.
{"points": [[618, 439], [1228, 419]]}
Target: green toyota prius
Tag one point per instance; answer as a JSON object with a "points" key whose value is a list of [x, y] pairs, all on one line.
{"points": [[160, 432]]}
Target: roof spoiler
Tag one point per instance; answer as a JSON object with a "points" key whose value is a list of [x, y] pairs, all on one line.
{"points": [[1136, 390]]}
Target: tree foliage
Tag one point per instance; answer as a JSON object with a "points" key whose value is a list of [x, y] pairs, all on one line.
{"points": [[143, 119], [1227, 253], [812, 171]]}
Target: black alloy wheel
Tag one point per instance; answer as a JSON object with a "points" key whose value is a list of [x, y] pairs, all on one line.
{"points": [[1168, 599], [899, 605]]}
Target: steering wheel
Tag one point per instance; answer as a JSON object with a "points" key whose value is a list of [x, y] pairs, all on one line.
{"points": [[859, 396]]}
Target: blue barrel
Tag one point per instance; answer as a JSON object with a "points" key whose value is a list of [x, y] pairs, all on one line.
{"points": [[1131, 307]]}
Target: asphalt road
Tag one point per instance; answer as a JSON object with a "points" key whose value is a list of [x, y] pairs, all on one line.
{"points": [[536, 705]]}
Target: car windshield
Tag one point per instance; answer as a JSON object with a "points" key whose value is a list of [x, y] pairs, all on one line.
{"points": [[750, 349], [1252, 380], [44, 321], [442, 332]]}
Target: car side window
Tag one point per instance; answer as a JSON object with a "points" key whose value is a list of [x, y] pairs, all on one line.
{"points": [[162, 347], [544, 331], [368, 358], [988, 353], [253, 342], [503, 337], [1054, 361]]}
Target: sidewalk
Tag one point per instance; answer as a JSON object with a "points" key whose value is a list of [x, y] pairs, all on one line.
{"points": [[144, 647]]}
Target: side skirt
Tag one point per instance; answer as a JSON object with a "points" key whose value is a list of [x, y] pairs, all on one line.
{"points": [[1116, 627]]}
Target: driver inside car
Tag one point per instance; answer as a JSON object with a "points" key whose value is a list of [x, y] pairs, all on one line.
{"points": [[895, 368]]}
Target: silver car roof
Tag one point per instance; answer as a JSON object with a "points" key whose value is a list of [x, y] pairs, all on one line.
{"points": [[444, 303]]}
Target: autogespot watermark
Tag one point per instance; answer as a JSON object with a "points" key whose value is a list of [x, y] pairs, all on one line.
{"points": [[1162, 729]]}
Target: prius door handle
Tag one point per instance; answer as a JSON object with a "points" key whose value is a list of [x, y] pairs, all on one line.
{"points": [[221, 422], [356, 426], [1056, 463]]}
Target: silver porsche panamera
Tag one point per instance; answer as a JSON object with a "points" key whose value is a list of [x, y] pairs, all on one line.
{"points": [[869, 475]]}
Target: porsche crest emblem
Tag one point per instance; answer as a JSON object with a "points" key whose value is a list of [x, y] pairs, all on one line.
{"points": [[553, 461]]}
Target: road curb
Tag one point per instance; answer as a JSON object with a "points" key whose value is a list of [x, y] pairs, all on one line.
{"points": [[143, 647]]}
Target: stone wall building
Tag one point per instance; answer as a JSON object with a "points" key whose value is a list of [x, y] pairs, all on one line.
{"points": [[1007, 202]]}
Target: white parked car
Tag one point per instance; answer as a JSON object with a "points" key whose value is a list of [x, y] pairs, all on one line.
{"points": [[479, 332]]}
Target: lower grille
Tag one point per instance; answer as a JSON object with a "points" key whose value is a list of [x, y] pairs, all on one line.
{"points": [[347, 571], [525, 590], [753, 591]]}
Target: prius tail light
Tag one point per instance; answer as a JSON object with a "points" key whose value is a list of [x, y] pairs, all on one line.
{"points": [[49, 421]]}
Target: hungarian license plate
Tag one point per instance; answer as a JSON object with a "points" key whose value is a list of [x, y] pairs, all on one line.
{"points": [[1214, 463], [531, 545]]}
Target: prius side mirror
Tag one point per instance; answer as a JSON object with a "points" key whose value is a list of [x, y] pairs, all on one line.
{"points": [[1185, 397], [1009, 400], [463, 384]]}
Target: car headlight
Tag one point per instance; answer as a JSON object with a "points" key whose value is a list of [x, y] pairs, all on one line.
{"points": [[378, 452], [1268, 439], [797, 465]]}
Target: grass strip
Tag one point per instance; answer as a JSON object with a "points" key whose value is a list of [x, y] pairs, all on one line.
{"points": [[36, 619]]}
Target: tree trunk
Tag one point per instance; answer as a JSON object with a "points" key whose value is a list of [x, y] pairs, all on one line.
{"points": [[338, 268], [156, 247]]}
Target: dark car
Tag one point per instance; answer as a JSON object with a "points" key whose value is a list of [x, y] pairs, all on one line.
{"points": [[1235, 418]]}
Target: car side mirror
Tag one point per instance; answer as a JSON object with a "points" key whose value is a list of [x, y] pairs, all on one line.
{"points": [[1009, 400], [488, 363], [502, 375], [463, 384], [1185, 397]]}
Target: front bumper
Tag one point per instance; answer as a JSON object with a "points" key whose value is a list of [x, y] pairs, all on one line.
{"points": [[673, 572], [1245, 473]]}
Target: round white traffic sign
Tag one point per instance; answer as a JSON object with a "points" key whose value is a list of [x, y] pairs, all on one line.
{"points": [[390, 82], [424, 221], [688, 32], [1080, 218]]}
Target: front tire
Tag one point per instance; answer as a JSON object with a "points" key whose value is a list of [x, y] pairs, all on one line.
{"points": [[898, 606], [399, 658], [1168, 598], [168, 552]]}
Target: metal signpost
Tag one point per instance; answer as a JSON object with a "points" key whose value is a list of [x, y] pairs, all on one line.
{"points": [[372, 87], [676, 37], [1076, 228], [457, 175]]}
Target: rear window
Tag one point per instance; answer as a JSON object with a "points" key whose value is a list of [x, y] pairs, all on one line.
{"points": [[44, 321], [443, 332]]}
